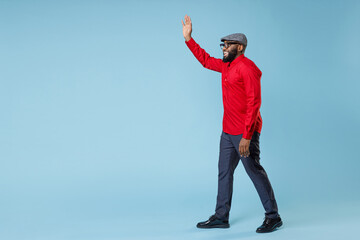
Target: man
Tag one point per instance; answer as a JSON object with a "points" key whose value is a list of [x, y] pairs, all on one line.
{"points": [[241, 127]]}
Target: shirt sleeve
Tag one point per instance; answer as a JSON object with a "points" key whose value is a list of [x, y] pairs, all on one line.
{"points": [[203, 57], [252, 99]]}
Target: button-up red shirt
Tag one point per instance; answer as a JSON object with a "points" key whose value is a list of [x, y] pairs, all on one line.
{"points": [[241, 91]]}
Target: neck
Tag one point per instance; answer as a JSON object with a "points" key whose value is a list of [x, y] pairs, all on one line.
{"points": [[238, 55]]}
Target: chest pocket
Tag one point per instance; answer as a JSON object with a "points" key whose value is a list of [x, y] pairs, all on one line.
{"points": [[234, 77]]}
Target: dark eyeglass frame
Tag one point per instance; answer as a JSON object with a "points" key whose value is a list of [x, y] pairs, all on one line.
{"points": [[227, 44]]}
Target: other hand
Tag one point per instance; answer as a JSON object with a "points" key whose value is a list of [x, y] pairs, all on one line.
{"points": [[244, 147]]}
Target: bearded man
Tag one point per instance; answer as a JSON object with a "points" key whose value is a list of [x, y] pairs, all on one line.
{"points": [[242, 125]]}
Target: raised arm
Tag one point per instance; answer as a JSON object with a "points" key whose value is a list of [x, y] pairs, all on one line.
{"points": [[201, 55]]}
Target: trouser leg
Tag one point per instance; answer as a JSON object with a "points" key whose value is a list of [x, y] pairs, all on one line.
{"points": [[258, 175], [228, 160]]}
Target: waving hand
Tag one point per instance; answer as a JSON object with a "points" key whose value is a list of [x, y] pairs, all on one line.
{"points": [[187, 28]]}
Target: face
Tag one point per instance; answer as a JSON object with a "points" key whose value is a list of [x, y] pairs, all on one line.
{"points": [[230, 51]]}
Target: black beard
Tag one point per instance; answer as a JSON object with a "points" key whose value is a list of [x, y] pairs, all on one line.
{"points": [[231, 56]]}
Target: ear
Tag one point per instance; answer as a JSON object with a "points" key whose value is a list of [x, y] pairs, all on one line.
{"points": [[240, 48]]}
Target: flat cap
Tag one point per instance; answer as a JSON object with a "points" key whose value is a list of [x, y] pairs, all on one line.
{"points": [[237, 37]]}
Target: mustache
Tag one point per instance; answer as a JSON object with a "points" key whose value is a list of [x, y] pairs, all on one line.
{"points": [[230, 55]]}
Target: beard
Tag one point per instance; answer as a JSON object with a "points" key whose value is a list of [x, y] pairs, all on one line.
{"points": [[231, 56]]}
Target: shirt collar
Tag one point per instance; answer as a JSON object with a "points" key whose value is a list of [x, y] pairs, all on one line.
{"points": [[238, 59]]}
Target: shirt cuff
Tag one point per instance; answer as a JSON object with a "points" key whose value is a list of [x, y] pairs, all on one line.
{"points": [[247, 136], [190, 43]]}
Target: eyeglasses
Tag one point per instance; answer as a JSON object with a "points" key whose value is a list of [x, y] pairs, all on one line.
{"points": [[227, 44]]}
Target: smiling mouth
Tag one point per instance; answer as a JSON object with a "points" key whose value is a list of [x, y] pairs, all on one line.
{"points": [[226, 54]]}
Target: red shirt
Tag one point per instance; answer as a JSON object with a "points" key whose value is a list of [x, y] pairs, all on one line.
{"points": [[241, 91]]}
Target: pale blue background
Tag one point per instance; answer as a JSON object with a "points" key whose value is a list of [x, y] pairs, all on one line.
{"points": [[109, 127]]}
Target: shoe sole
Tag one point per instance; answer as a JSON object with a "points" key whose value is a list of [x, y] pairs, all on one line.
{"points": [[275, 227], [214, 226]]}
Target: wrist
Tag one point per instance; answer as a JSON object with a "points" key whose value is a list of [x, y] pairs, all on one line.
{"points": [[187, 38]]}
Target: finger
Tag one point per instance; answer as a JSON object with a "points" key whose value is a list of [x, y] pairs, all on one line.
{"points": [[182, 23], [246, 150]]}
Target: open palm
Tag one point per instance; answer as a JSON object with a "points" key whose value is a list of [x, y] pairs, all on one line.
{"points": [[187, 28]]}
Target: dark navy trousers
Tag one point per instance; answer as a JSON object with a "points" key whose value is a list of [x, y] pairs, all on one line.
{"points": [[228, 160]]}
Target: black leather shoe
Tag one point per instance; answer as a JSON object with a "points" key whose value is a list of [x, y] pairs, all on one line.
{"points": [[269, 225], [213, 222]]}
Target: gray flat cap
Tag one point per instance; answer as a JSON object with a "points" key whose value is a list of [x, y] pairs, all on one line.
{"points": [[237, 37]]}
